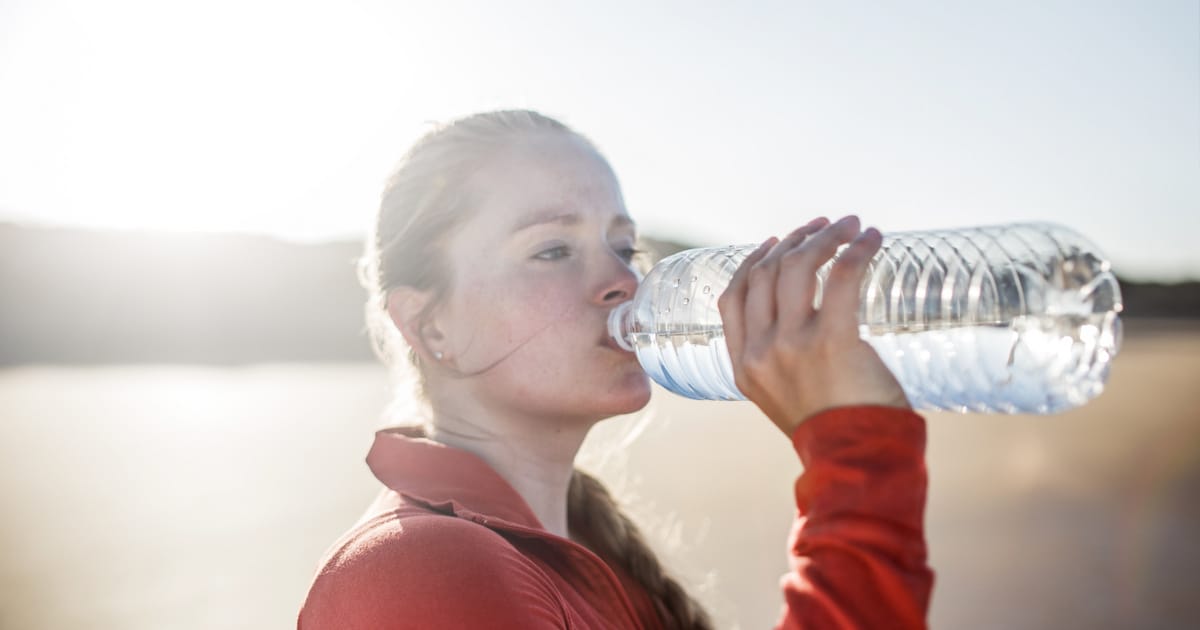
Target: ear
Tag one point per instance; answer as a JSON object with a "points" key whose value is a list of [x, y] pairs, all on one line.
{"points": [[406, 306]]}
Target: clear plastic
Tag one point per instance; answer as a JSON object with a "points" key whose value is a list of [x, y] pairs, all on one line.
{"points": [[1014, 318]]}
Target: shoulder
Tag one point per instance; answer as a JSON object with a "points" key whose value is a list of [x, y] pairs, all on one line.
{"points": [[420, 548], [427, 570]]}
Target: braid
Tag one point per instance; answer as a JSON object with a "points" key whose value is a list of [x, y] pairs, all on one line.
{"points": [[594, 516]]}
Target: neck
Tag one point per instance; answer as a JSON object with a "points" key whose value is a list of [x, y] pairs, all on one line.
{"points": [[535, 456]]}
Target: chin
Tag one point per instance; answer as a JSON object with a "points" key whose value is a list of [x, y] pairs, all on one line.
{"points": [[633, 394]]}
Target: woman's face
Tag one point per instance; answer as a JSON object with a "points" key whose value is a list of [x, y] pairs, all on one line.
{"points": [[536, 270]]}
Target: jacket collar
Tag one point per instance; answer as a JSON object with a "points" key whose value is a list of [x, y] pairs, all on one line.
{"points": [[446, 479]]}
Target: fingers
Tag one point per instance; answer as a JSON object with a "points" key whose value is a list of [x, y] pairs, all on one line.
{"points": [[731, 304], [798, 277], [778, 281], [840, 301], [761, 312], [787, 357]]}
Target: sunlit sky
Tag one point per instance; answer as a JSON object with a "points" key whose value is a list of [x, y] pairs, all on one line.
{"points": [[725, 123]]}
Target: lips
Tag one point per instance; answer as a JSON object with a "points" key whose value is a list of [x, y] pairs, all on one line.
{"points": [[611, 343]]}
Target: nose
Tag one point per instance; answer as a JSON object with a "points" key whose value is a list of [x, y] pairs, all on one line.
{"points": [[618, 283]]}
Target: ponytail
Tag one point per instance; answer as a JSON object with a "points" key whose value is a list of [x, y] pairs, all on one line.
{"points": [[596, 519]]}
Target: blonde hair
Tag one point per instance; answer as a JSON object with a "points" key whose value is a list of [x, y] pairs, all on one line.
{"points": [[427, 195]]}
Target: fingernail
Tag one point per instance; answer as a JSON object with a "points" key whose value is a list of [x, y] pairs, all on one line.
{"points": [[817, 221], [846, 220], [863, 235]]}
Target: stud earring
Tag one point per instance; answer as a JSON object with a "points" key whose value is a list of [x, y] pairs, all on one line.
{"points": [[438, 355]]}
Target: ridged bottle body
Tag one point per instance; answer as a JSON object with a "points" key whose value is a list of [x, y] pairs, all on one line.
{"points": [[1014, 318]]}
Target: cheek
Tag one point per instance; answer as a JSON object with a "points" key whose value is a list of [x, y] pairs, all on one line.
{"points": [[501, 315]]}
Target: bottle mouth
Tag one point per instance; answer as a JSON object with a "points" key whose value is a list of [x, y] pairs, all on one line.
{"points": [[618, 327]]}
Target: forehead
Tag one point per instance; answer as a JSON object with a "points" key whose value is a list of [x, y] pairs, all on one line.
{"points": [[541, 177]]}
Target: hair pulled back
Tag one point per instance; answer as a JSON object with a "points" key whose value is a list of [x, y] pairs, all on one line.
{"points": [[428, 194]]}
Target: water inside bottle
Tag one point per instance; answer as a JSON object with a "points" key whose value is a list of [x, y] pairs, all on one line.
{"points": [[694, 364], [1038, 364]]}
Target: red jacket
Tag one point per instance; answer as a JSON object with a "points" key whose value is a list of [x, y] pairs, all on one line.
{"points": [[452, 545]]}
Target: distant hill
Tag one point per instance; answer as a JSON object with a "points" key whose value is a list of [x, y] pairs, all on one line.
{"points": [[80, 296]]}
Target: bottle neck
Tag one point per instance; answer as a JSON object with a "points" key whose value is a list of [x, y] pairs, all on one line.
{"points": [[620, 325]]}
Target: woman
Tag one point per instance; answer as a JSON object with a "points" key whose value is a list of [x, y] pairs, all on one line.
{"points": [[502, 243]]}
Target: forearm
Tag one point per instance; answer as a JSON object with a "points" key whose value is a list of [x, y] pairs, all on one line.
{"points": [[858, 549]]}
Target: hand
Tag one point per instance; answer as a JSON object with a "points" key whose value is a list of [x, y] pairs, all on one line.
{"points": [[793, 360]]}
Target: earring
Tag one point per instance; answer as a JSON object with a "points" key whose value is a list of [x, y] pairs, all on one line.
{"points": [[438, 355]]}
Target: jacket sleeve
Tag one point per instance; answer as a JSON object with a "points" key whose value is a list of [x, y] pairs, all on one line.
{"points": [[430, 572], [858, 553]]}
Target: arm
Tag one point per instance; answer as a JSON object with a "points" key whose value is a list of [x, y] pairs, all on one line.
{"points": [[858, 554], [430, 572], [858, 550]]}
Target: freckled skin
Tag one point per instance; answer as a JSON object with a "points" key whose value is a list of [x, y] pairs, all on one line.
{"points": [[526, 333]]}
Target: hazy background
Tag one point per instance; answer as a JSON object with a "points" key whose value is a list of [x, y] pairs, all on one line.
{"points": [[187, 395], [724, 121]]}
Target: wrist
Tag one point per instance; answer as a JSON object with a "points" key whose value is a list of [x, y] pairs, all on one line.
{"points": [[790, 424]]}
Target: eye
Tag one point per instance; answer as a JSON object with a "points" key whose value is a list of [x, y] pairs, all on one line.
{"points": [[629, 253], [554, 253]]}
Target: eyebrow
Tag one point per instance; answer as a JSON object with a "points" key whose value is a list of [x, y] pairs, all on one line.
{"points": [[563, 217]]}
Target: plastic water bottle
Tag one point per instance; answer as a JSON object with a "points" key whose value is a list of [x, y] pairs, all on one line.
{"points": [[1013, 318]]}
